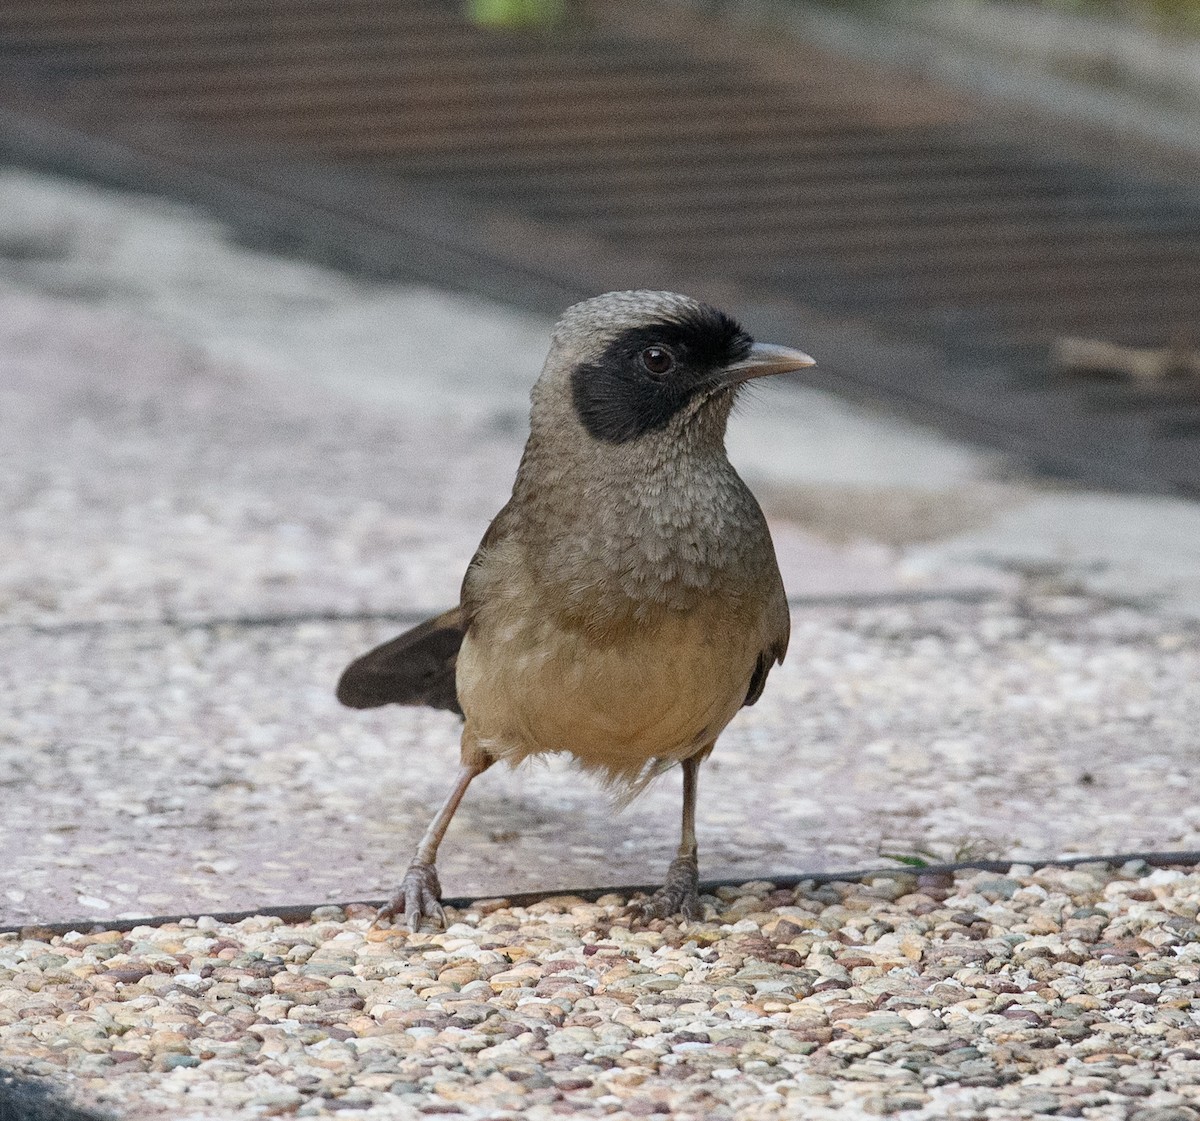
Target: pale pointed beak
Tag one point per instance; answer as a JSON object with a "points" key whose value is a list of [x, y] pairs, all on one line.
{"points": [[766, 359]]}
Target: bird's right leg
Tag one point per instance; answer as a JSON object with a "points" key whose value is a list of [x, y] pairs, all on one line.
{"points": [[419, 894]]}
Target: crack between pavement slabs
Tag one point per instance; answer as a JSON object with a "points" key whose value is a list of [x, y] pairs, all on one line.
{"points": [[413, 617]]}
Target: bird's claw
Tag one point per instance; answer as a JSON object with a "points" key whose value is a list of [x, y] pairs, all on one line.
{"points": [[418, 897], [680, 895]]}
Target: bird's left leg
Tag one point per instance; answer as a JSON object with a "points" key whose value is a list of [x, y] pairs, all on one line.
{"points": [[680, 895]]}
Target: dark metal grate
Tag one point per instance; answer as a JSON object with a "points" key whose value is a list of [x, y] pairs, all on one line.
{"points": [[635, 148]]}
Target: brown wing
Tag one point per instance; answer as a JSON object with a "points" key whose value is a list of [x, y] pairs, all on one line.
{"points": [[780, 628], [500, 528], [767, 660], [417, 668]]}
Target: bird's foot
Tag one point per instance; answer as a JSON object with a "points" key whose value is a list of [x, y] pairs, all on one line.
{"points": [[680, 895], [418, 897]]}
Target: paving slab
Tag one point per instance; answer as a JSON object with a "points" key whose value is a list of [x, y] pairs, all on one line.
{"points": [[156, 770]]}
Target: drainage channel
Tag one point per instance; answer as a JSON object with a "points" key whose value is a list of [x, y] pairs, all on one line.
{"points": [[930, 252]]}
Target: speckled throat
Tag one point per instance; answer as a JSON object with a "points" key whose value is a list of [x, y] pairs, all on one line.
{"points": [[661, 522]]}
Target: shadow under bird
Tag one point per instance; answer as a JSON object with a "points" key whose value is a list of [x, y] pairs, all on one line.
{"points": [[626, 601]]}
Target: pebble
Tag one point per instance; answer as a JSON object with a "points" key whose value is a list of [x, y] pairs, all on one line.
{"points": [[1072, 992]]}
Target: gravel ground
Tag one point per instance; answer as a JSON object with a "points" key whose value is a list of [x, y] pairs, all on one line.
{"points": [[1052, 991]]}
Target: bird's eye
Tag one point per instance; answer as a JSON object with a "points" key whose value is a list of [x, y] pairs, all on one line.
{"points": [[657, 360]]}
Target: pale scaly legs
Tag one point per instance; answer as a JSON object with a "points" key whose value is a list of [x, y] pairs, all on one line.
{"points": [[419, 894], [680, 895]]}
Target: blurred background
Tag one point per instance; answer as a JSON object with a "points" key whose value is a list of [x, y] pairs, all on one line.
{"points": [[989, 208]]}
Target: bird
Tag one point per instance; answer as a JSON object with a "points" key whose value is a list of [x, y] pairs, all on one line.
{"points": [[626, 601]]}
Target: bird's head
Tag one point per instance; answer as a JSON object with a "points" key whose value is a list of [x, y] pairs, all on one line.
{"points": [[626, 366]]}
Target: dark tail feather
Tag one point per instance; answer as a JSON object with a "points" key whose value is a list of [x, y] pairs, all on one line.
{"points": [[415, 669]]}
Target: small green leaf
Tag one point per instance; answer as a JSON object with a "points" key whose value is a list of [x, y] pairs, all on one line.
{"points": [[911, 861]]}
